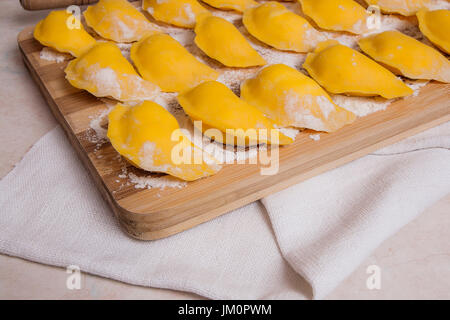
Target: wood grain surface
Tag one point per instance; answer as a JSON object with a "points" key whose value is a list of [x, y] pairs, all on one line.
{"points": [[150, 214]]}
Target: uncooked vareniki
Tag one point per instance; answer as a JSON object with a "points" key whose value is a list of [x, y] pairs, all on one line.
{"points": [[280, 28], [340, 69], [337, 15], [143, 135], [290, 98], [222, 41], [181, 13], [104, 72], [54, 31], [403, 7], [219, 108], [238, 5], [118, 20], [162, 60], [435, 25], [406, 56]]}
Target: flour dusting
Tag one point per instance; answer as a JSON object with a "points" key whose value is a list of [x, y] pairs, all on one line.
{"points": [[361, 106], [149, 182], [416, 85], [51, 55], [290, 132], [231, 154], [96, 125]]}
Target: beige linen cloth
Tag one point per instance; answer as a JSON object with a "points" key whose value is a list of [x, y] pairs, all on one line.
{"points": [[51, 212]]}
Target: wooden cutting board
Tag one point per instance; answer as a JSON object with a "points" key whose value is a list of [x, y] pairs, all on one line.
{"points": [[154, 213]]}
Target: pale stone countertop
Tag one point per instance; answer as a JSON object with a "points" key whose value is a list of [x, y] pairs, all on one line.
{"points": [[415, 263]]}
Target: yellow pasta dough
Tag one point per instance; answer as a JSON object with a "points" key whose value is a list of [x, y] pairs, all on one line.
{"points": [[435, 25], [143, 135], [222, 41], [118, 20], [337, 15], [280, 28], [406, 56], [340, 69], [104, 72], [219, 108], [238, 5], [403, 7], [181, 13], [54, 31], [162, 60], [290, 98]]}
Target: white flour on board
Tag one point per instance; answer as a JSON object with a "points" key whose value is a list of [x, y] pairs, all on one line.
{"points": [[149, 182], [361, 106], [49, 54], [289, 132], [416, 85], [97, 124]]}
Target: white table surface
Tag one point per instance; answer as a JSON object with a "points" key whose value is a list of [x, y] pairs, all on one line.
{"points": [[415, 263]]}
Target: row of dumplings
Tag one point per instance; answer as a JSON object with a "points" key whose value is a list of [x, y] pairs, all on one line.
{"points": [[278, 96], [163, 61]]}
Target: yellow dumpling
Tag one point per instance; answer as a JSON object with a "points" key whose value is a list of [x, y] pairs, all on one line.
{"points": [[337, 15], [290, 98], [181, 13], [238, 5], [222, 41], [280, 28], [162, 60], [403, 7], [54, 32], [435, 25], [118, 20], [104, 72], [340, 69], [143, 135], [219, 108], [406, 56]]}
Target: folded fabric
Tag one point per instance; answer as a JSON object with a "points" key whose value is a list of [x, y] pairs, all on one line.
{"points": [[328, 225], [51, 212]]}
